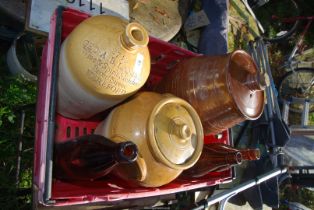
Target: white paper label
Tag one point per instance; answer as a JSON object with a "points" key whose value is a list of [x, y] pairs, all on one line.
{"points": [[41, 10], [137, 69]]}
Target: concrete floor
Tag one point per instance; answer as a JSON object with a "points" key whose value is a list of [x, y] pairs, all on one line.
{"points": [[230, 206]]}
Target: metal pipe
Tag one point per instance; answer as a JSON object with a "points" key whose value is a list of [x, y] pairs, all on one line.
{"points": [[285, 111], [19, 149], [268, 69], [269, 93], [295, 100], [52, 108], [253, 53], [259, 25], [305, 114], [246, 185]]}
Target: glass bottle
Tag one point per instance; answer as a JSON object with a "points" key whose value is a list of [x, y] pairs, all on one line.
{"points": [[220, 157], [250, 154], [247, 154], [90, 157]]}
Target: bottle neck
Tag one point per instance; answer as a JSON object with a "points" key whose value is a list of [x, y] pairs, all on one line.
{"points": [[134, 37], [126, 152], [234, 158], [251, 154]]}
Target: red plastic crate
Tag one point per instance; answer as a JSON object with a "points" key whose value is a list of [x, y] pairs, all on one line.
{"points": [[164, 56]]}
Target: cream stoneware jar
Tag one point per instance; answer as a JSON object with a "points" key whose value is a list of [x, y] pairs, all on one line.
{"points": [[167, 132]]}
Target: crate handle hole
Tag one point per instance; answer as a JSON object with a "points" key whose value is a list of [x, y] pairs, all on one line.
{"points": [[77, 131], [157, 58], [172, 64], [179, 53], [68, 132]]}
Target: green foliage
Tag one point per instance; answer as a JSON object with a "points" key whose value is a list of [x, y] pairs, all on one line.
{"points": [[284, 9], [295, 194], [308, 10], [242, 27], [16, 95]]}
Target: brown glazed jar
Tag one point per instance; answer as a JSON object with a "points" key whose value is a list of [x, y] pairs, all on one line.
{"points": [[224, 90], [167, 132]]}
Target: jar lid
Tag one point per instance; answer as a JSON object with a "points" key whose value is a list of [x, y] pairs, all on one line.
{"points": [[246, 84], [175, 133]]}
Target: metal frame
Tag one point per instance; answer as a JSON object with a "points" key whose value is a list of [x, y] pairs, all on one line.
{"points": [[226, 195], [260, 55]]}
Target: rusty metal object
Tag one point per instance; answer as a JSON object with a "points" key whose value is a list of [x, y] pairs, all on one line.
{"points": [[225, 90]]}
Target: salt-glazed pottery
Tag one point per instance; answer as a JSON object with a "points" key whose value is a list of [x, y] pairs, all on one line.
{"points": [[167, 132], [103, 61], [224, 90]]}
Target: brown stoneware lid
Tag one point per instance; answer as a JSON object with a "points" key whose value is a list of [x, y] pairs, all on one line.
{"points": [[175, 133], [246, 85]]}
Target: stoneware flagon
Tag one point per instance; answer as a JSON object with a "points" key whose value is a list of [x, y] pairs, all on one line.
{"points": [[103, 61]]}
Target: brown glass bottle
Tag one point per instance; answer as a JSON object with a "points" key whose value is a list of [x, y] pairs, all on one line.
{"points": [[247, 154], [250, 154], [90, 157], [220, 157]]}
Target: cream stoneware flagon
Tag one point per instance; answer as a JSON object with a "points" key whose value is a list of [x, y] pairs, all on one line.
{"points": [[103, 61]]}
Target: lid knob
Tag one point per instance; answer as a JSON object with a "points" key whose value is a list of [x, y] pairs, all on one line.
{"points": [[182, 131], [257, 82]]}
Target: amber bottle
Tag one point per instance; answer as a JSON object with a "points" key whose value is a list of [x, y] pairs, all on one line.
{"points": [[220, 157], [90, 157], [250, 154], [247, 154]]}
